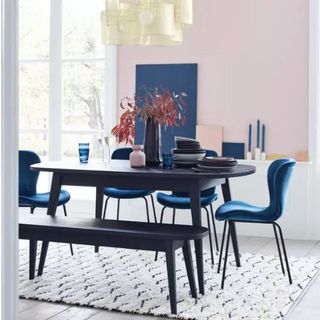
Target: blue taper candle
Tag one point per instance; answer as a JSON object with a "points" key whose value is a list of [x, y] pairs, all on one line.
{"points": [[258, 133], [249, 140], [263, 137]]}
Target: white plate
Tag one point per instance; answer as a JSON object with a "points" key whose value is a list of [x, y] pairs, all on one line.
{"points": [[188, 157]]}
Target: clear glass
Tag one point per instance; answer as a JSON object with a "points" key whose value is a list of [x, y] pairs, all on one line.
{"points": [[82, 29], [34, 17], [83, 99], [37, 142], [70, 145], [34, 95]]}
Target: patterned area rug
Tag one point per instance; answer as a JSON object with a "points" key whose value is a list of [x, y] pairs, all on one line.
{"points": [[131, 281]]}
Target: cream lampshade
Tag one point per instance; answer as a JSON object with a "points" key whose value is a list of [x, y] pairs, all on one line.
{"points": [[146, 22]]}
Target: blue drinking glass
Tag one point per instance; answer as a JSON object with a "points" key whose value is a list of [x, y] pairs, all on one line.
{"points": [[84, 152], [167, 162]]}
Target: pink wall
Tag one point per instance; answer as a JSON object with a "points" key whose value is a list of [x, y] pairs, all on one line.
{"points": [[252, 57]]}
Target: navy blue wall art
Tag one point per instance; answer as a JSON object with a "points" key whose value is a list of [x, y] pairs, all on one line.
{"points": [[176, 78]]}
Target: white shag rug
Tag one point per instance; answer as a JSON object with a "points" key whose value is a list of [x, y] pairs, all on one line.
{"points": [[131, 281]]}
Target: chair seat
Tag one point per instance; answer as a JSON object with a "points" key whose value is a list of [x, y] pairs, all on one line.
{"points": [[126, 193], [242, 211], [175, 202], [41, 200]]}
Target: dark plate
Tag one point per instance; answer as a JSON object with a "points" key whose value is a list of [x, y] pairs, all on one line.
{"points": [[219, 159], [218, 163], [188, 151], [189, 145], [184, 164], [214, 169]]}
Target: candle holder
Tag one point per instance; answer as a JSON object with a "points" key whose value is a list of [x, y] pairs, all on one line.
{"points": [[263, 156], [257, 154], [249, 155]]}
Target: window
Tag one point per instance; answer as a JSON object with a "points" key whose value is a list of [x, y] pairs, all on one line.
{"points": [[67, 79], [64, 75]]}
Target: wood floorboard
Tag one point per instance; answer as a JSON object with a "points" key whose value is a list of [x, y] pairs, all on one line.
{"points": [[307, 308], [42, 311], [75, 313], [315, 250], [26, 304], [106, 315]]}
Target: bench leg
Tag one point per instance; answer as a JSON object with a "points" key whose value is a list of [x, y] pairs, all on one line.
{"points": [[189, 266], [171, 270], [32, 258], [43, 255], [199, 257]]}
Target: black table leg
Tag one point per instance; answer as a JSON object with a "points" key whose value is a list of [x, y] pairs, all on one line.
{"points": [[194, 193], [227, 197], [52, 208], [32, 258], [99, 206]]}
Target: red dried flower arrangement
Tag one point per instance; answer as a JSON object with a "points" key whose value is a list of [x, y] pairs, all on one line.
{"points": [[162, 106]]}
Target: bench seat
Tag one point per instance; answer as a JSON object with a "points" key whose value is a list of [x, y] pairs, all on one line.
{"points": [[112, 233]]}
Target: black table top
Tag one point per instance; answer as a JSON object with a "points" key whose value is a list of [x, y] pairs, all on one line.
{"points": [[122, 168]]}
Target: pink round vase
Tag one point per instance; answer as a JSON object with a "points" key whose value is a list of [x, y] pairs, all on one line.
{"points": [[137, 157]]}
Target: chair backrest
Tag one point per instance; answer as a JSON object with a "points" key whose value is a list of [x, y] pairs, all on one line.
{"points": [[121, 154], [279, 175], [204, 193], [27, 179]]}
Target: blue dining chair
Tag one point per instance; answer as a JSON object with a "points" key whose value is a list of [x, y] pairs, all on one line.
{"points": [[117, 193], [28, 179], [181, 200], [279, 174]]}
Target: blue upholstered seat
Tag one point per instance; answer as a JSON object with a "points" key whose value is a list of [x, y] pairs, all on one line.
{"points": [[119, 193], [126, 193], [279, 174], [181, 200], [28, 195], [41, 200], [177, 202]]}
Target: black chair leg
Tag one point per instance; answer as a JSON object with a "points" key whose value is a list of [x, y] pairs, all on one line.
{"points": [[32, 258], [118, 209], [65, 214], [105, 208], [189, 267], [171, 270], [214, 228], [161, 219], [154, 209], [278, 246], [147, 209], [32, 210], [210, 235], [226, 258], [285, 253], [43, 255], [222, 244], [174, 216]]}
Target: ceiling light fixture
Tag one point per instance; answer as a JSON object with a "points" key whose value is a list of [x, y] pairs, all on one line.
{"points": [[146, 22]]}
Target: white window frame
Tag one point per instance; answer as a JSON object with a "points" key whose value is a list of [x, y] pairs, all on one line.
{"points": [[55, 62]]}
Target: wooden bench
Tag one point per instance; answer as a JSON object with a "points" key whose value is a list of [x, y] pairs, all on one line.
{"points": [[120, 234]]}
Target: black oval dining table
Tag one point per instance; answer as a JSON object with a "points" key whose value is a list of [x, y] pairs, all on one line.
{"points": [[119, 174]]}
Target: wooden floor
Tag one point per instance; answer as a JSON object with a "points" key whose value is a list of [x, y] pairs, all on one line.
{"points": [[307, 308]]}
